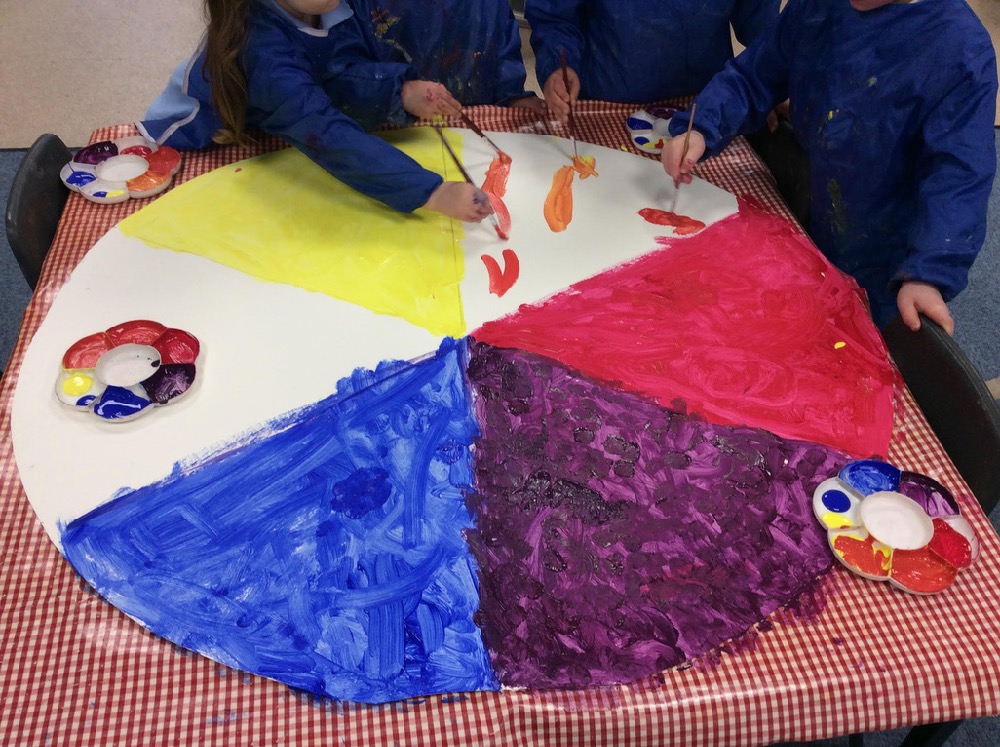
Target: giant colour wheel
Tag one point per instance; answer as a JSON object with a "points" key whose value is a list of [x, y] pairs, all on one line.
{"points": [[418, 459]]}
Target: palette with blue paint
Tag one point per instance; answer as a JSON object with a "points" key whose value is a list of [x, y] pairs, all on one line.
{"points": [[121, 373], [648, 127], [888, 524], [113, 171]]}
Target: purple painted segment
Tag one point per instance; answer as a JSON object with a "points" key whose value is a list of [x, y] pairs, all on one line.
{"points": [[96, 152], [617, 539], [932, 496]]}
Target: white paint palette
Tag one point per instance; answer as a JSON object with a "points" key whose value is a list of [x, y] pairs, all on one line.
{"points": [[113, 171], [885, 524]]}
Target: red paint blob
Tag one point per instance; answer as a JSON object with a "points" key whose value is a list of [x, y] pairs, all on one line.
{"points": [[501, 281], [950, 545], [922, 571], [177, 346], [683, 225], [861, 554]]}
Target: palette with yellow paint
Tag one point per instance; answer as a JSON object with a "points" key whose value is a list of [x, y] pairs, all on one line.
{"points": [[887, 524]]}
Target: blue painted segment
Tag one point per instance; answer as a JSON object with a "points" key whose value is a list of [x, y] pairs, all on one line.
{"points": [[326, 551], [869, 476]]}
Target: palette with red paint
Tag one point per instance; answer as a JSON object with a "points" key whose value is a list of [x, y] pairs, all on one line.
{"points": [[888, 524], [123, 372], [113, 171]]}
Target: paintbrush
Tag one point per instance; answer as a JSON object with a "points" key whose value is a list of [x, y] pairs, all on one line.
{"points": [[684, 152], [569, 118], [465, 175], [475, 128]]}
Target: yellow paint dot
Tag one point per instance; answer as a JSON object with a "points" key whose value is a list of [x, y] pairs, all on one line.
{"points": [[839, 345], [77, 383], [836, 521]]}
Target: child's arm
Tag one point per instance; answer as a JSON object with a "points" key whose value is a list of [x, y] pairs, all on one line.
{"points": [[556, 33], [956, 168]]}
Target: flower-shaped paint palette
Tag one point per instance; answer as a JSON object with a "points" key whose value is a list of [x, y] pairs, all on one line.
{"points": [[119, 374], [648, 127], [116, 170], [891, 525]]}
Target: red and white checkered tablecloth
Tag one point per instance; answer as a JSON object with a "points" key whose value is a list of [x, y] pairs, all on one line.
{"points": [[76, 671]]}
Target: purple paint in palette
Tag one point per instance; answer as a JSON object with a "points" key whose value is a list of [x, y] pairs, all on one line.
{"points": [[615, 538]]}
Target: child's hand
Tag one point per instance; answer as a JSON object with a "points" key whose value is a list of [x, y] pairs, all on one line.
{"points": [[673, 152], [557, 98], [425, 99], [915, 297], [460, 200]]}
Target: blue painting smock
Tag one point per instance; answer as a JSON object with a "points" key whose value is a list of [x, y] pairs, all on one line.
{"points": [[473, 48], [895, 108], [641, 51], [319, 90]]}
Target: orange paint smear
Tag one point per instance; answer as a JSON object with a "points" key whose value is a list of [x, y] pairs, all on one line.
{"points": [[497, 175], [585, 166], [682, 225], [862, 555], [558, 208]]}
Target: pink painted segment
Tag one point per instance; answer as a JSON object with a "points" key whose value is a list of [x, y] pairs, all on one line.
{"points": [[740, 323], [501, 281]]}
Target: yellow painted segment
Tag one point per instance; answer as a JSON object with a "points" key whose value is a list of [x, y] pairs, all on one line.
{"points": [[281, 218]]}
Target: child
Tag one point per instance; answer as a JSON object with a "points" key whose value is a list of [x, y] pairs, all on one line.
{"points": [[302, 70], [473, 47], [894, 104], [639, 51]]}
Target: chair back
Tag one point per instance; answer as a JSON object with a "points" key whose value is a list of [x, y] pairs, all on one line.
{"points": [[955, 400], [36, 200]]}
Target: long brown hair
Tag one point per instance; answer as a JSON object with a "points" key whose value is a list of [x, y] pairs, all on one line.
{"points": [[225, 40]]}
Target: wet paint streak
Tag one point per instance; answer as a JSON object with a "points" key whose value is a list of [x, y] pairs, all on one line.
{"points": [[502, 215], [616, 538], [497, 175], [558, 209], [682, 224], [325, 551], [501, 281], [741, 337]]}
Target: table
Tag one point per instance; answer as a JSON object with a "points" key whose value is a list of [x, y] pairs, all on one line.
{"points": [[75, 670]]}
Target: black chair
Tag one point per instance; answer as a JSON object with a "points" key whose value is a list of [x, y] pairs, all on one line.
{"points": [[36, 200], [958, 405]]}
